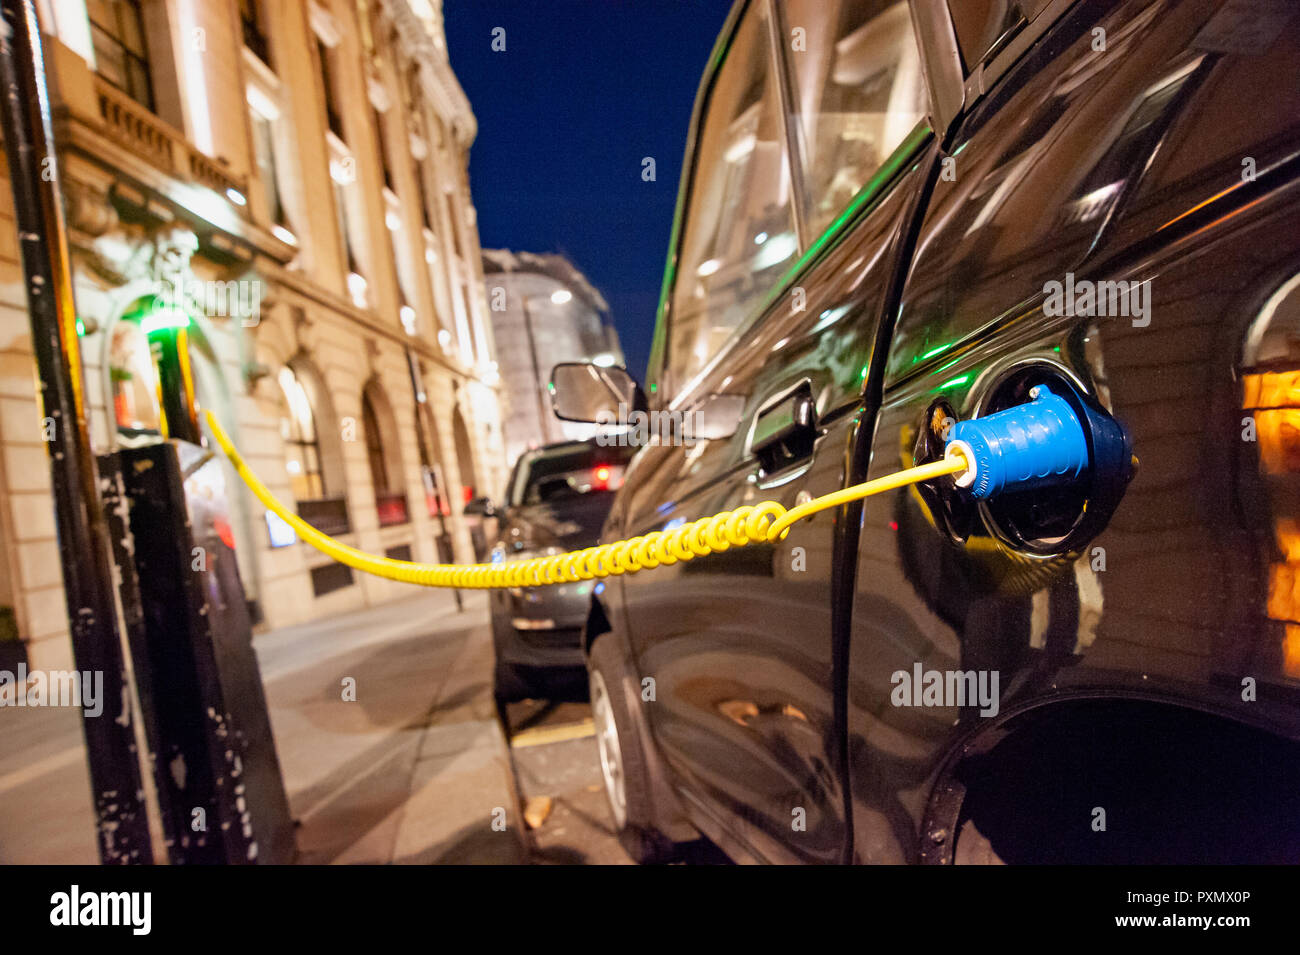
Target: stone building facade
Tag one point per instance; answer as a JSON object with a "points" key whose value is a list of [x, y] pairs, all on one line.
{"points": [[287, 181]]}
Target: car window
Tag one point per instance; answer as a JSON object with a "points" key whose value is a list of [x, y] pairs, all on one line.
{"points": [[857, 93], [738, 233], [559, 486], [982, 25], [548, 475]]}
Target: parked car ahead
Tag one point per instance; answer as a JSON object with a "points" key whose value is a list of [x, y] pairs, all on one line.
{"points": [[557, 499], [913, 214]]}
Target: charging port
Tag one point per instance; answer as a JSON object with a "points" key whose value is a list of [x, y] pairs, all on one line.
{"points": [[1054, 518]]}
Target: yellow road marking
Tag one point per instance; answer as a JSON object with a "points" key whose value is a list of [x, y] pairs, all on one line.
{"points": [[541, 735]]}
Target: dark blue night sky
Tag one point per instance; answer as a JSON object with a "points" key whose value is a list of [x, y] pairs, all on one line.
{"points": [[584, 90]]}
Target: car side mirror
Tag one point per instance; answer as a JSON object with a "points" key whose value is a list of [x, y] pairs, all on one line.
{"points": [[581, 391], [480, 507]]}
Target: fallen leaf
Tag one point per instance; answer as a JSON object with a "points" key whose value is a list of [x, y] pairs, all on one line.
{"points": [[536, 811]]}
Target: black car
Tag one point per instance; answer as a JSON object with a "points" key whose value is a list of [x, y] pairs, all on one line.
{"points": [[899, 216], [557, 499]]}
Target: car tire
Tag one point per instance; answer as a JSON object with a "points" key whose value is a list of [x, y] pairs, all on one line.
{"points": [[624, 767]]}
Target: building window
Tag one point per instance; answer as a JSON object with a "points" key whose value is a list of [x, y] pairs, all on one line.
{"points": [[341, 208], [250, 17], [117, 32], [461, 313], [390, 499], [301, 443], [264, 148], [451, 217], [434, 502], [385, 158], [464, 457], [421, 171], [374, 446], [329, 578], [329, 82], [401, 261], [414, 102], [356, 283]]}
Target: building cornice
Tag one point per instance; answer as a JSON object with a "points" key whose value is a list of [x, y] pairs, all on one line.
{"points": [[424, 41]]}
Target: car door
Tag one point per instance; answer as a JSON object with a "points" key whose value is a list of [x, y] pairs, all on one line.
{"points": [[808, 161], [1079, 169]]}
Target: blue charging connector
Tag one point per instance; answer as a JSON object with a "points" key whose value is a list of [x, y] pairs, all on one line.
{"points": [[1036, 444]]}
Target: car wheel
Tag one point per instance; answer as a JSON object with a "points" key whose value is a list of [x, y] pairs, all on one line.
{"points": [[623, 765]]}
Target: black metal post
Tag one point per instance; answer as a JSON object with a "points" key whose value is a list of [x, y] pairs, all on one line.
{"points": [[120, 814]]}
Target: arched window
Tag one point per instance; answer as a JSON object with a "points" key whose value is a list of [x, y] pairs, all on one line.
{"points": [[426, 432], [464, 457], [374, 446], [301, 442], [383, 453]]}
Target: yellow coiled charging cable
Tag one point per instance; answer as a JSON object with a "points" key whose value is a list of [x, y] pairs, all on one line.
{"points": [[768, 521]]}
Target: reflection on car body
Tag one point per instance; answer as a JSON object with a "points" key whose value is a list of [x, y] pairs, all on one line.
{"points": [[874, 212]]}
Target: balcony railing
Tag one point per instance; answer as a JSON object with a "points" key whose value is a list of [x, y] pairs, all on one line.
{"points": [[134, 126], [392, 509], [329, 515], [140, 131]]}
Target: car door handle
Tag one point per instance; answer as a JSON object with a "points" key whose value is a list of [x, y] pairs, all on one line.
{"points": [[785, 429]]}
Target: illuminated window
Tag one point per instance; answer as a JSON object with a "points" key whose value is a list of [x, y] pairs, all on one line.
{"points": [[357, 285], [117, 32], [264, 149], [301, 443]]}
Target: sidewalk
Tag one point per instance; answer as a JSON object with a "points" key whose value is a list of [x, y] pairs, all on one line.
{"points": [[414, 770]]}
